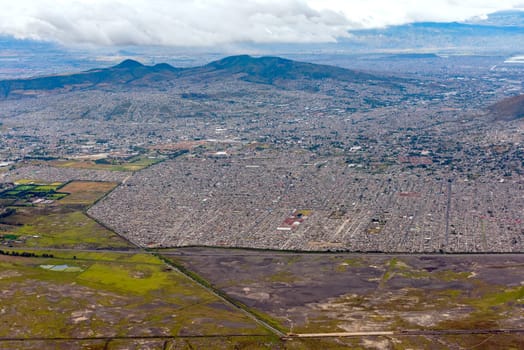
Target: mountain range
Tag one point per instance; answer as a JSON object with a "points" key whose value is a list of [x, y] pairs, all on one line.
{"points": [[263, 70], [501, 32]]}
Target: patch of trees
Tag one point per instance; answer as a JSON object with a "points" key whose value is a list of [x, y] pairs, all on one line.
{"points": [[102, 161], [7, 212], [25, 254]]}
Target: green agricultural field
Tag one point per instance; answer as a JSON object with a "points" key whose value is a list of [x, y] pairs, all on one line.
{"points": [[64, 224], [44, 188], [56, 196], [134, 164], [23, 187], [26, 192], [109, 297], [66, 230]]}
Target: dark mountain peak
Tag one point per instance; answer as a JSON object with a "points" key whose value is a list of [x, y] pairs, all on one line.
{"points": [[129, 64], [164, 66], [243, 61], [272, 70], [231, 61], [128, 72], [510, 108], [261, 69]]}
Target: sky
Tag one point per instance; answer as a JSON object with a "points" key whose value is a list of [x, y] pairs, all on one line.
{"points": [[207, 23]]}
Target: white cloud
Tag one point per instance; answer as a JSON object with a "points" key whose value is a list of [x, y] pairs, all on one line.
{"points": [[219, 22], [380, 13]]}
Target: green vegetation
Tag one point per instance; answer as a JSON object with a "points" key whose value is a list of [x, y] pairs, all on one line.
{"points": [[283, 277], [109, 298], [130, 165], [67, 230], [129, 257], [28, 192], [490, 308], [62, 224], [449, 275], [141, 280], [509, 295], [396, 267], [8, 236]]}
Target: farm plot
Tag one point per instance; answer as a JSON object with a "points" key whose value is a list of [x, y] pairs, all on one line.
{"points": [[33, 193], [85, 192], [133, 164], [61, 223]]}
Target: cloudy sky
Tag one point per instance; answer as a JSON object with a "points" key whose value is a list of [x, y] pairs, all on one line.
{"points": [[202, 23]]}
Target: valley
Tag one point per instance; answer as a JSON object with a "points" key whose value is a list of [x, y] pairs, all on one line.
{"points": [[262, 203]]}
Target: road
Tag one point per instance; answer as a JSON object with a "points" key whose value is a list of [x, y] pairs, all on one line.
{"points": [[428, 332]]}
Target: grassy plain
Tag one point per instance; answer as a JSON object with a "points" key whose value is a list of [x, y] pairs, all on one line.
{"points": [[109, 297], [134, 164], [60, 229]]}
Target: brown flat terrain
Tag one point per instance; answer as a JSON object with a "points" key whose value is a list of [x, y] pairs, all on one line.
{"points": [[85, 192], [322, 293]]}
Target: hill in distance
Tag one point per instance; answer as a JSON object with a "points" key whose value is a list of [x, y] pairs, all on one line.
{"points": [[500, 32], [123, 73], [268, 70], [508, 109], [263, 70]]}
